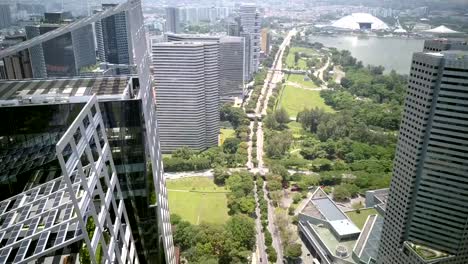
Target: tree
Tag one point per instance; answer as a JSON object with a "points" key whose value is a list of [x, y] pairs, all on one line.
{"points": [[220, 175], [231, 145], [293, 251], [270, 122], [272, 255], [278, 144], [297, 56], [183, 153], [241, 229], [282, 116]]}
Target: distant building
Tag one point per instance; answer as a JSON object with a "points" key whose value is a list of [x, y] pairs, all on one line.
{"points": [[186, 79], [112, 39], [64, 55], [173, 20], [250, 25], [265, 41], [426, 214], [231, 62], [5, 16], [360, 21], [16, 66], [332, 237], [437, 45]]}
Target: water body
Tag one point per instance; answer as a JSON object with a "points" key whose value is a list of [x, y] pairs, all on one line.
{"points": [[392, 53]]}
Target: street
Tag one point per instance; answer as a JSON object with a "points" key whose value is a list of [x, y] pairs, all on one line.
{"points": [[273, 77]]}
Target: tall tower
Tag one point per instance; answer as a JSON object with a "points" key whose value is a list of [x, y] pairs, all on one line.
{"points": [[64, 55], [426, 219], [186, 76], [112, 39], [172, 20], [250, 23], [5, 16]]}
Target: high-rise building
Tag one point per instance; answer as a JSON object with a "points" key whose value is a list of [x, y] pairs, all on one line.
{"points": [[426, 213], [5, 16], [250, 23], [234, 28], [44, 144], [17, 66], [186, 76], [173, 20], [265, 41], [231, 62], [63, 56], [112, 40]]}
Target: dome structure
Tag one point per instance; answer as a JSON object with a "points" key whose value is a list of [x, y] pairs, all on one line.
{"points": [[360, 21]]}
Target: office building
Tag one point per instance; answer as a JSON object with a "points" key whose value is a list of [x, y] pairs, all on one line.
{"points": [[41, 114], [265, 47], [436, 45], [112, 40], [250, 24], [79, 211], [16, 66], [186, 76], [426, 213], [5, 16], [173, 20], [231, 62], [62, 56]]}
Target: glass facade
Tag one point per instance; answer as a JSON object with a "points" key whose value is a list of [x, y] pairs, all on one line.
{"points": [[27, 158]]}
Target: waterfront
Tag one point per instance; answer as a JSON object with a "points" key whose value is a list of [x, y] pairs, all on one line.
{"points": [[392, 53]]}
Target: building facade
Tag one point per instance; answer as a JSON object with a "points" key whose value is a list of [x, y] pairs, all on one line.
{"points": [[250, 23], [5, 16], [426, 213], [265, 41], [63, 56], [173, 20], [129, 120], [17, 66], [81, 212], [112, 39], [186, 76], [231, 62]]}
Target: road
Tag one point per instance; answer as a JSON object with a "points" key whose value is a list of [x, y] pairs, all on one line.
{"points": [[274, 76]]}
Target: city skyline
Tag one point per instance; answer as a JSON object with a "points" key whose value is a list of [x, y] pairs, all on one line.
{"points": [[223, 132]]}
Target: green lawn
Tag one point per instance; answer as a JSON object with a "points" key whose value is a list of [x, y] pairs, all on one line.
{"points": [[299, 79], [360, 219], [198, 199], [302, 64], [295, 100], [226, 133]]}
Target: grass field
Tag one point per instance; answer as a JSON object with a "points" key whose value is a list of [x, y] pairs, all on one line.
{"points": [[360, 219], [302, 62], [226, 133], [198, 199], [299, 79], [295, 100]]}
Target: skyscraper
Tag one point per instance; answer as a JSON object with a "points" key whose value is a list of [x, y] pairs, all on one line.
{"points": [[63, 56], [186, 76], [112, 39], [17, 66], [250, 23], [230, 60], [426, 215], [50, 107], [265, 41], [5, 16], [172, 20]]}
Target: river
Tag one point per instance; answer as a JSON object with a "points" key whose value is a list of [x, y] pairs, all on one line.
{"points": [[392, 53]]}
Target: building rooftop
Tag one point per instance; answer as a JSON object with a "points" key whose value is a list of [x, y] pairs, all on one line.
{"points": [[329, 211], [42, 89], [368, 243]]}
